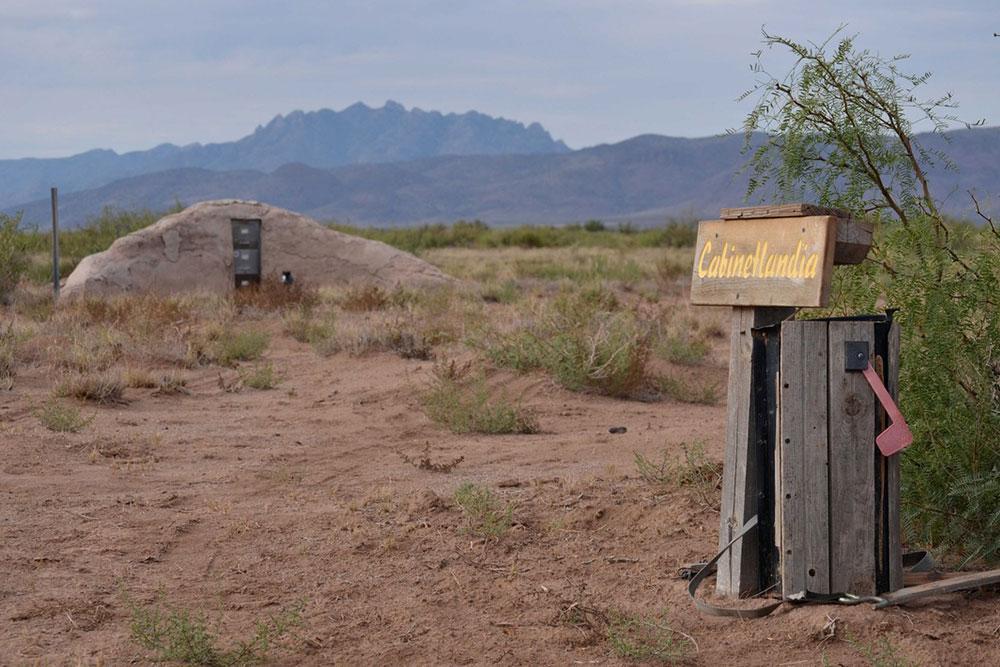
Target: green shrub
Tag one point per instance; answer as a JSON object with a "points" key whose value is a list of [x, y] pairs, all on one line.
{"points": [[686, 390], [683, 350], [485, 515], [593, 233], [61, 417], [463, 403], [8, 356], [240, 345], [260, 376], [303, 325], [13, 255], [182, 636], [581, 343]]}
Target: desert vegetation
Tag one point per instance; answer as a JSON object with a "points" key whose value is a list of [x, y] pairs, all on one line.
{"points": [[840, 127]]}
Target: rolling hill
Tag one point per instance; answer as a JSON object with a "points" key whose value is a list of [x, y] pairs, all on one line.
{"points": [[642, 179]]}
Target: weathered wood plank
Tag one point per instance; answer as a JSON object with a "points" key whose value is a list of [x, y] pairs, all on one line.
{"points": [[949, 585], [805, 484], [790, 443], [854, 240], [854, 237], [739, 566], [815, 439], [892, 470], [852, 466], [773, 262], [797, 209], [739, 570]]}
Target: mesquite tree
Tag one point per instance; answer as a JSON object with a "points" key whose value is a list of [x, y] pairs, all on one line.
{"points": [[838, 129]]}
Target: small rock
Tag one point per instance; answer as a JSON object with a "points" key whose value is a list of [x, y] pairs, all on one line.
{"points": [[617, 429]]}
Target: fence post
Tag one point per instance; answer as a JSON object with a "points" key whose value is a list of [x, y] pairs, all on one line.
{"points": [[55, 243]]}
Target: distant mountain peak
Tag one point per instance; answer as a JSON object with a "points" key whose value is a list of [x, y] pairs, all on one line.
{"points": [[324, 138]]}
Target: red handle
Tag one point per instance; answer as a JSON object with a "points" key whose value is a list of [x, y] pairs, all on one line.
{"points": [[898, 435]]}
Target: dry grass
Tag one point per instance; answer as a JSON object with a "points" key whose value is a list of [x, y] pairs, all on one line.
{"points": [[260, 376], [273, 295], [364, 298], [104, 388]]}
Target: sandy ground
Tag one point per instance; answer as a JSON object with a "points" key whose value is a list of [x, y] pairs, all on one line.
{"points": [[239, 505]]}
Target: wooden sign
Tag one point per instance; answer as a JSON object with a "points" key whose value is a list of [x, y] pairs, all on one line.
{"points": [[764, 261]]}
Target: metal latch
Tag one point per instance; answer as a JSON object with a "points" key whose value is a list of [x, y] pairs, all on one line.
{"points": [[898, 435]]}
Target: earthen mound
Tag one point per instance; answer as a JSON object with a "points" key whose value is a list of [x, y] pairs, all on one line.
{"points": [[194, 250]]}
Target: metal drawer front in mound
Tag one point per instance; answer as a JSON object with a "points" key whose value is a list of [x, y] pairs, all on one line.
{"points": [[246, 252]]}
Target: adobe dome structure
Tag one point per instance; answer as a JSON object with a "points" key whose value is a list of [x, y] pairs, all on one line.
{"points": [[216, 245]]}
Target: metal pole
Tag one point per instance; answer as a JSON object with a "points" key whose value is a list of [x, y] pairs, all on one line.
{"points": [[55, 243]]}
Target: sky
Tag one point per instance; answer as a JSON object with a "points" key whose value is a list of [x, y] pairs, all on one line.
{"points": [[131, 74]]}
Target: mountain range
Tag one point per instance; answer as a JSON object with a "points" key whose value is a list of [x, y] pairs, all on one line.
{"points": [[391, 166]]}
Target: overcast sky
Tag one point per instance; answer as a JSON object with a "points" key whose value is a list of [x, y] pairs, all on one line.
{"points": [[128, 74]]}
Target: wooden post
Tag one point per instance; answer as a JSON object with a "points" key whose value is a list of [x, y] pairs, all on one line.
{"points": [[739, 569], [55, 243]]}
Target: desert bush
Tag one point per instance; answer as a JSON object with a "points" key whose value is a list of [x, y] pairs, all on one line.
{"points": [[8, 356], [13, 255], [139, 378], [682, 349], [609, 357], [460, 400], [581, 343], [485, 514], [305, 326], [670, 269], [86, 349], [687, 390], [839, 127], [234, 345], [397, 335], [61, 417], [103, 388], [182, 636], [260, 376], [646, 639], [171, 384]]}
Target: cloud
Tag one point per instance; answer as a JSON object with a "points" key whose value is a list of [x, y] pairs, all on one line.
{"points": [[127, 75]]}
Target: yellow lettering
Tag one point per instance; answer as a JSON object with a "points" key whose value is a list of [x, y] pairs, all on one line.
{"points": [[781, 266], [701, 259], [811, 264]]}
